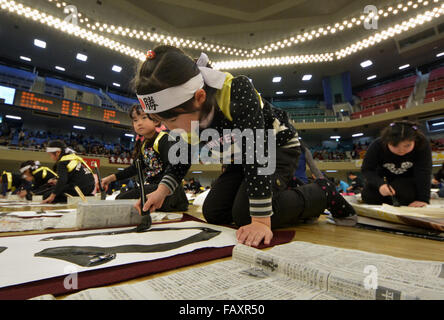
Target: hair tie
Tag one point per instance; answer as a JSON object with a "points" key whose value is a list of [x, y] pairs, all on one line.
{"points": [[150, 55], [139, 137], [161, 128]]}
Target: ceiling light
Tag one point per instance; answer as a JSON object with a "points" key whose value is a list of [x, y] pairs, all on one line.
{"points": [[303, 91], [117, 68], [357, 135], [116, 84], [437, 124], [277, 79], [79, 127], [366, 63], [371, 77], [13, 117], [335, 137], [90, 77], [306, 77], [81, 57], [129, 135], [40, 43], [25, 58], [60, 68], [279, 92], [440, 54], [404, 66]]}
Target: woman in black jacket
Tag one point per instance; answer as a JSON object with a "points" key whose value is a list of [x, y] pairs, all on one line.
{"points": [[398, 166]]}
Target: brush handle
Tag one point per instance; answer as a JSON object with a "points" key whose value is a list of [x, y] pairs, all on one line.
{"points": [[395, 201], [142, 189], [102, 191]]}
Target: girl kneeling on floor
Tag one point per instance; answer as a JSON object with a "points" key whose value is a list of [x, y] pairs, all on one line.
{"points": [[176, 90]]}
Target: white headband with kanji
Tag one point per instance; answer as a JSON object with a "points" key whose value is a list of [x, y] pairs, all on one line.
{"points": [[172, 97]]}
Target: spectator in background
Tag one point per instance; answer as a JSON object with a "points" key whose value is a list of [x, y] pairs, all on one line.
{"points": [[438, 178], [5, 129], [186, 185], [11, 134], [21, 137], [194, 185], [306, 159], [356, 183], [341, 186]]}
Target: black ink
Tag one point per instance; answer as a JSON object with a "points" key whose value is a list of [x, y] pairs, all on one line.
{"points": [[112, 233], [255, 273], [267, 263], [94, 256]]}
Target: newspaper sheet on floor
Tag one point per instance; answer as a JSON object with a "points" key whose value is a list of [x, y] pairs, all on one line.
{"points": [[16, 221], [33, 220], [297, 270]]}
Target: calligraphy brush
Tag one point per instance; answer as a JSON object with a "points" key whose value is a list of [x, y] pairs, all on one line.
{"points": [[395, 201], [146, 215], [102, 191], [80, 193]]}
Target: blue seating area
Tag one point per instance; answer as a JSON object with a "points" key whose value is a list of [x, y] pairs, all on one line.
{"points": [[59, 84], [304, 111], [23, 80], [124, 102], [16, 78]]}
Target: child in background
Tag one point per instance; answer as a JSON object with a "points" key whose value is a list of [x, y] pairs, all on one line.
{"points": [[438, 178], [72, 171], [176, 90], [438, 181], [398, 164], [42, 178], [341, 186], [161, 177], [13, 182], [356, 183]]}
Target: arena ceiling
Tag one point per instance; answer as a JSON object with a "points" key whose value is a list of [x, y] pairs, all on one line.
{"points": [[227, 30]]}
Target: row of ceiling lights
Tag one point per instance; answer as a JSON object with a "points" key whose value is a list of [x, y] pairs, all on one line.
{"points": [[80, 57], [339, 54], [217, 48], [35, 15], [338, 27], [57, 23], [152, 36]]}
